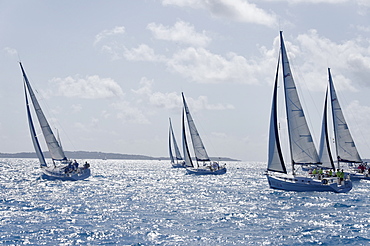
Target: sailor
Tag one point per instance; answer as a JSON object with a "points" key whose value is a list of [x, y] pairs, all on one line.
{"points": [[214, 166], [321, 172], [75, 165], [86, 165], [314, 172]]}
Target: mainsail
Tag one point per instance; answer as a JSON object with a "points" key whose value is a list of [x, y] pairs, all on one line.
{"points": [[55, 149], [345, 146], [324, 150], [275, 157], [199, 149], [302, 147]]}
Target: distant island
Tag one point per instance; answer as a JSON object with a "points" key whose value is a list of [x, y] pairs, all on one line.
{"points": [[98, 155]]}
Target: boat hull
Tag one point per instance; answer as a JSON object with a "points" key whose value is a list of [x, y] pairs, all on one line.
{"points": [[302, 184], [58, 173], [359, 176], [204, 171], [178, 165]]}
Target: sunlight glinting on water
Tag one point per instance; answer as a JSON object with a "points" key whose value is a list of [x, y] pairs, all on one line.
{"points": [[150, 203]]}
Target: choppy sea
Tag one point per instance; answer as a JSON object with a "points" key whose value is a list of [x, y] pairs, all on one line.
{"points": [[150, 203]]}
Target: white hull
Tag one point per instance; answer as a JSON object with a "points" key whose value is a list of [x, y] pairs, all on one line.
{"points": [[53, 173], [205, 171], [296, 183]]}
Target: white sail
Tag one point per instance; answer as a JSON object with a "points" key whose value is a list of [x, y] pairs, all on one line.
{"points": [[170, 143], [199, 149], [275, 157], [345, 146], [175, 146], [325, 156], [55, 150], [302, 147], [187, 157], [34, 138]]}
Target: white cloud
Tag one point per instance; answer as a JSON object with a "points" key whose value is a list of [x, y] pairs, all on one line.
{"points": [[350, 58], [173, 100], [237, 10], [181, 32], [11, 51], [311, 54], [357, 117], [76, 108], [142, 53], [202, 66], [202, 103], [90, 87], [129, 113], [106, 33]]}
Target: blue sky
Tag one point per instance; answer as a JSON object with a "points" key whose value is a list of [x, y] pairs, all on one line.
{"points": [[109, 74]]}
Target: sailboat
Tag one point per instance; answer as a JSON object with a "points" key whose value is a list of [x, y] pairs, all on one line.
{"points": [[302, 148], [177, 160], [62, 168], [203, 163], [345, 146]]}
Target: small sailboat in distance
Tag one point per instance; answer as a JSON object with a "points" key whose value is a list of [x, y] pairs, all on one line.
{"points": [[62, 168], [203, 163], [177, 160], [302, 148]]}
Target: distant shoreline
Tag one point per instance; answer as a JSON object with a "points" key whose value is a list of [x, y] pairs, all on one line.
{"points": [[98, 155]]}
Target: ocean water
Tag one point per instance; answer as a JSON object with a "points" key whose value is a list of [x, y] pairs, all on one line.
{"points": [[150, 203]]}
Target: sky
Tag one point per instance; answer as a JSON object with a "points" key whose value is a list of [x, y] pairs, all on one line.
{"points": [[109, 74]]}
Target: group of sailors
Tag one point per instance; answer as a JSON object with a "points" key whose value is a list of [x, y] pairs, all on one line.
{"points": [[319, 174], [73, 167]]}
